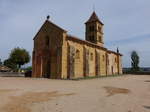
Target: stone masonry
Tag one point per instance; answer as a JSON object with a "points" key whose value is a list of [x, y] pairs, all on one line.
{"points": [[58, 55]]}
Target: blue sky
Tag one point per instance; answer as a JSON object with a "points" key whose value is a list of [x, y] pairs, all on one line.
{"points": [[127, 23]]}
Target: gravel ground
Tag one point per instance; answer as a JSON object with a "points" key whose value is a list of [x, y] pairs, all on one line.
{"points": [[130, 93]]}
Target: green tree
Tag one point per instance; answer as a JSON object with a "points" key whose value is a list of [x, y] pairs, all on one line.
{"points": [[19, 56], [9, 63], [135, 61], [28, 68], [1, 62]]}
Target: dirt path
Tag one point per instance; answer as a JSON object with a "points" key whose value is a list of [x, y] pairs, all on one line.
{"points": [[116, 94]]}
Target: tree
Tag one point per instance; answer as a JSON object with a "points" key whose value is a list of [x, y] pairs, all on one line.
{"points": [[9, 63], [1, 62], [29, 68], [19, 56], [135, 61]]}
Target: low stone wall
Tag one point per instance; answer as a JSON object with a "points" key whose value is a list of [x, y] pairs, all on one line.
{"points": [[11, 74], [137, 73]]}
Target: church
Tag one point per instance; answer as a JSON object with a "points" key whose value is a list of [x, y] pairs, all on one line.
{"points": [[58, 55]]}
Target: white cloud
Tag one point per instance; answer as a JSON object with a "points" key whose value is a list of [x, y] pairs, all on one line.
{"points": [[123, 19]]}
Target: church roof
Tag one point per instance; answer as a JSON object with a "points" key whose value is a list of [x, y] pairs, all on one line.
{"points": [[49, 22], [56, 25], [74, 38], [94, 18]]}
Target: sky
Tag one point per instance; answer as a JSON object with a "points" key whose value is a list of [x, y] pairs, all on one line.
{"points": [[126, 23]]}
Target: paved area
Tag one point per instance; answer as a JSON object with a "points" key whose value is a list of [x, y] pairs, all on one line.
{"points": [[130, 93]]}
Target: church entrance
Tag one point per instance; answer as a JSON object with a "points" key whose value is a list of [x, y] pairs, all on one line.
{"points": [[48, 67], [112, 70]]}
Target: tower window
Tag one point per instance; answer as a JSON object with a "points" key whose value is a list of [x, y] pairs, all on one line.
{"points": [[91, 28], [91, 38], [99, 29]]}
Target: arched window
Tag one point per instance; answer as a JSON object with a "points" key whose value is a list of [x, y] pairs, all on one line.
{"points": [[100, 39], [108, 62], [47, 41], [91, 38], [77, 54], [115, 60], [91, 56], [103, 58], [99, 28], [91, 28]]}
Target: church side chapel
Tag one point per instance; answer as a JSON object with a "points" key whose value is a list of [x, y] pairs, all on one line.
{"points": [[58, 55]]}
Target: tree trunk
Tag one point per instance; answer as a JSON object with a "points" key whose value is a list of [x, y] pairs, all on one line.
{"points": [[19, 66]]}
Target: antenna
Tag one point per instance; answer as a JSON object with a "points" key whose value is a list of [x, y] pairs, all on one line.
{"points": [[94, 7]]}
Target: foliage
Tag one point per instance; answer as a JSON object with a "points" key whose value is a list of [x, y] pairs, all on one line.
{"points": [[19, 56], [1, 62], [29, 68], [9, 63], [135, 61]]}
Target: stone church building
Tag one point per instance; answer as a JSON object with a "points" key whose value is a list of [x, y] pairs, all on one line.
{"points": [[61, 56]]}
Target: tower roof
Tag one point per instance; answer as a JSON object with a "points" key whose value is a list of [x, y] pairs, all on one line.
{"points": [[94, 18]]}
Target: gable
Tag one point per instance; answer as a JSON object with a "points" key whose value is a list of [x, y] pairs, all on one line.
{"points": [[47, 27]]}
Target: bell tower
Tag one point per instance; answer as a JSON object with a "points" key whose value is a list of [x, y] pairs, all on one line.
{"points": [[94, 30]]}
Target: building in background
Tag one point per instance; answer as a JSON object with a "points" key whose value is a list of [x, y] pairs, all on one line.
{"points": [[5, 69], [61, 56]]}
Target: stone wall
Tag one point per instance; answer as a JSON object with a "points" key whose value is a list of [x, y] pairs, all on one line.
{"points": [[115, 64], [47, 52], [120, 65], [76, 53], [85, 60], [56, 55]]}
